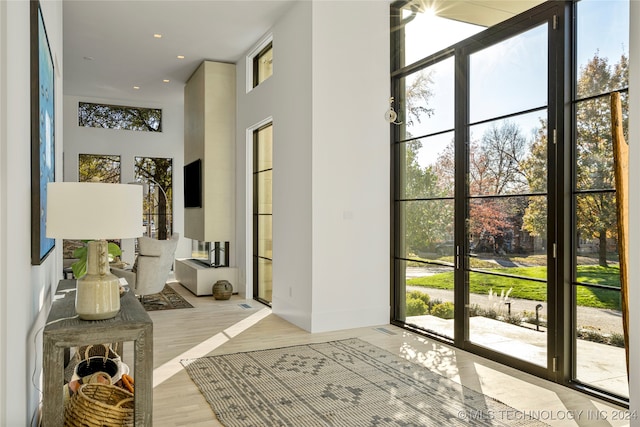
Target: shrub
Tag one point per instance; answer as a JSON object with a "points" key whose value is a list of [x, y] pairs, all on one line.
{"points": [[489, 313], [416, 307], [433, 303], [514, 319], [419, 295], [443, 310], [617, 339], [594, 335]]}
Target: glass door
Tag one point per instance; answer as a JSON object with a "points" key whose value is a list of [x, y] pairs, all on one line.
{"points": [[506, 200], [262, 213]]}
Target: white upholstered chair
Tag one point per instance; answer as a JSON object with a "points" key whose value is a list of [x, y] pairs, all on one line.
{"points": [[152, 265]]}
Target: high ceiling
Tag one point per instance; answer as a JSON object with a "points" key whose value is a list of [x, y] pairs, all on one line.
{"points": [[109, 46]]}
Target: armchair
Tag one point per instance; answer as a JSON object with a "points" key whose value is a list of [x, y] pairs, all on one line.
{"points": [[152, 265]]}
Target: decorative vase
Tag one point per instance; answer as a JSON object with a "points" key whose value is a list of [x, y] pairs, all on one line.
{"points": [[222, 290]]}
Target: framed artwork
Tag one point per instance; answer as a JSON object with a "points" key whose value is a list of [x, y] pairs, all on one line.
{"points": [[42, 134]]}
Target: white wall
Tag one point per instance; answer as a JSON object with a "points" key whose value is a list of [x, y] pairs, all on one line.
{"points": [[128, 145], [634, 207], [351, 160], [286, 97], [327, 97], [25, 290]]}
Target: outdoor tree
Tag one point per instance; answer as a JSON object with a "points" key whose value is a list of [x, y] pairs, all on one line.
{"points": [[502, 148], [119, 117], [419, 92], [99, 168], [157, 172], [496, 169], [595, 203], [534, 220], [426, 217]]}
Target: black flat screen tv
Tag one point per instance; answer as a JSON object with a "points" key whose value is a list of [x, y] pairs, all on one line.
{"points": [[193, 185]]}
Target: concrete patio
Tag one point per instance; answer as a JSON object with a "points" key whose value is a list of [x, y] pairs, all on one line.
{"points": [[600, 365]]}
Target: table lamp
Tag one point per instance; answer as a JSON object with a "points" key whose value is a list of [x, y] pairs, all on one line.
{"points": [[95, 211]]}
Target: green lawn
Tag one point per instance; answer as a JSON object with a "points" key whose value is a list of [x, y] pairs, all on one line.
{"points": [[481, 284]]}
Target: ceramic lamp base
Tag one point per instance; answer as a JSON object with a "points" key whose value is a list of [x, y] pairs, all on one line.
{"points": [[98, 291], [97, 299]]}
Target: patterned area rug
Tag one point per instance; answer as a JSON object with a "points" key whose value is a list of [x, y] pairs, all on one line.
{"points": [[340, 383], [166, 300]]}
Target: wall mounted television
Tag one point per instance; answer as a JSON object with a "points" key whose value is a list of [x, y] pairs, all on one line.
{"points": [[193, 184]]}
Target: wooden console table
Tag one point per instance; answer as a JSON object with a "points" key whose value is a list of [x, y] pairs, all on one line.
{"points": [[63, 330]]}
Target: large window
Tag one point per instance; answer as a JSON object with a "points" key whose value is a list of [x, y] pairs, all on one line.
{"points": [[156, 176], [119, 117], [505, 238], [602, 68]]}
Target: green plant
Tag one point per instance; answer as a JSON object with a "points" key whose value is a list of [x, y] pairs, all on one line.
{"points": [[419, 295], [434, 302], [416, 307], [443, 310], [79, 267]]}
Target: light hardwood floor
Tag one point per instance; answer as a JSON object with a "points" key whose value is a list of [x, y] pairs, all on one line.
{"points": [[217, 327]]}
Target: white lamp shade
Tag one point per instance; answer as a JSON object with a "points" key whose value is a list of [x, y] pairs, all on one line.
{"points": [[93, 210]]}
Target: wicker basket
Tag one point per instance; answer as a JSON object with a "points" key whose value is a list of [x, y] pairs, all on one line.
{"points": [[99, 405], [103, 350]]}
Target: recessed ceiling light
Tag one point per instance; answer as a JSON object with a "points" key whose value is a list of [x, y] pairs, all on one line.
{"points": [[166, 80], [88, 58], [157, 36], [136, 87], [180, 56]]}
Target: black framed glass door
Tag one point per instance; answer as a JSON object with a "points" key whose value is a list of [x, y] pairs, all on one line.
{"points": [[505, 269]]}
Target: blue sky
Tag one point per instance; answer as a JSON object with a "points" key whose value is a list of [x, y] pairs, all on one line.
{"points": [[509, 76]]}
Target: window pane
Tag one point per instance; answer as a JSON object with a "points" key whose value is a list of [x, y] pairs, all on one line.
{"points": [[265, 279], [428, 229], [509, 226], [99, 168], [426, 33], [429, 102], [156, 174], [509, 315], [600, 339], [594, 148], [597, 233], [428, 298], [264, 192], [600, 52], [428, 167], [509, 156], [515, 66], [119, 117], [264, 156], [263, 65], [265, 240]]}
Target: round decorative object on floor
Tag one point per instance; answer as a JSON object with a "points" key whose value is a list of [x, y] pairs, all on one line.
{"points": [[222, 289]]}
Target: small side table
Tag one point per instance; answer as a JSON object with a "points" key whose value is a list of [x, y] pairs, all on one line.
{"points": [[62, 331]]}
